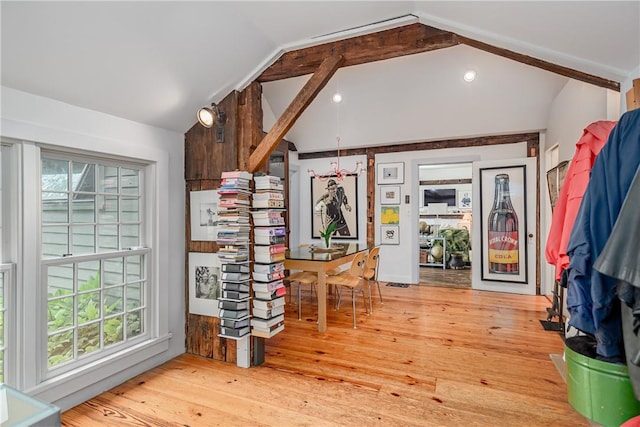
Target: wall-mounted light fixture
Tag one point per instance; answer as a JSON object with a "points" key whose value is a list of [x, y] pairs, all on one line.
{"points": [[208, 116]]}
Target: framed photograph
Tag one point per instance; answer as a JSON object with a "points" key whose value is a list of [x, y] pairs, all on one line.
{"points": [[335, 200], [464, 199], [390, 195], [555, 178], [389, 235], [503, 224], [205, 283], [390, 215], [390, 173], [204, 214]]}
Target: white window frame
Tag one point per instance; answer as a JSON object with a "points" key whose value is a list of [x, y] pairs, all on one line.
{"points": [[9, 196], [32, 299]]}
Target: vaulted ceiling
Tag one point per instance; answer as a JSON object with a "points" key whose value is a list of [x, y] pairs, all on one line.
{"points": [[157, 62]]}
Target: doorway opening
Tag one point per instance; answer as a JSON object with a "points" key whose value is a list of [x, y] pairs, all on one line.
{"points": [[445, 224]]}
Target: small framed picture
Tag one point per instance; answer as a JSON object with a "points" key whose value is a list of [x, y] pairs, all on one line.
{"points": [[390, 215], [389, 235], [205, 282], [204, 214], [390, 173], [464, 199], [390, 195]]}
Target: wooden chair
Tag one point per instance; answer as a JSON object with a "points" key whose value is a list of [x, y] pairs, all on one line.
{"points": [[352, 279], [371, 273], [302, 278]]}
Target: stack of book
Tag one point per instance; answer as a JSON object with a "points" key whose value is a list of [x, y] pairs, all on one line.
{"points": [[234, 238], [269, 253]]}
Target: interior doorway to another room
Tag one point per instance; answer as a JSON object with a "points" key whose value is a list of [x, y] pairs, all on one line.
{"points": [[445, 224]]}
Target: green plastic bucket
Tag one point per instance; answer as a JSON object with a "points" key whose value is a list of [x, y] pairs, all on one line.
{"points": [[600, 391]]}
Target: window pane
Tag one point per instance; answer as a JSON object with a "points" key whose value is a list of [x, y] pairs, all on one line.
{"points": [[107, 209], [84, 177], [60, 348], [130, 209], [113, 300], [60, 313], [107, 179], [55, 208], [134, 269], [129, 181], [113, 331], [88, 275], [134, 323], [88, 307], [83, 240], [88, 338], [55, 241], [107, 238], [84, 208], [134, 296], [113, 271], [60, 280], [130, 235], [55, 174]]}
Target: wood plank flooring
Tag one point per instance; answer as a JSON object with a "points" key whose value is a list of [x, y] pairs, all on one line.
{"points": [[429, 356]]}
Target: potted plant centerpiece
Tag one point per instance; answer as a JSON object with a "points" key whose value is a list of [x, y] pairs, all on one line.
{"points": [[328, 232]]}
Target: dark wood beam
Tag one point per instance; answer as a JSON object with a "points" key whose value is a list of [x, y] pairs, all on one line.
{"points": [[406, 40], [427, 145], [302, 100], [446, 181], [539, 63], [249, 123]]}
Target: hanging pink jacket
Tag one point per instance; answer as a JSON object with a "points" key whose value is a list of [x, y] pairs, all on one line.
{"points": [[564, 214]]}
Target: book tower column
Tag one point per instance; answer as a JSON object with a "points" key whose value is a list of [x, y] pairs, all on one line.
{"points": [[269, 236], [233, 238]]}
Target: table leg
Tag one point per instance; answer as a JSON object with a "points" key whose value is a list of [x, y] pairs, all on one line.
{"points": [[322, 302]]}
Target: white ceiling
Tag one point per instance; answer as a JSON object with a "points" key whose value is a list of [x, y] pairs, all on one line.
{"points": [[157, 62]]}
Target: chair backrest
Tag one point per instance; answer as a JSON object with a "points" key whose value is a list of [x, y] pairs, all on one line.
{"points": [[357, 265], [371, 264]]}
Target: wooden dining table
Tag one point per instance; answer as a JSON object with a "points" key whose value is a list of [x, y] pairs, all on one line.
{"points": [[320, 260]]}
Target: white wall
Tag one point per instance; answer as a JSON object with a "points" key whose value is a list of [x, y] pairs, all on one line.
{"points": [[32, 118], [577, 105]]}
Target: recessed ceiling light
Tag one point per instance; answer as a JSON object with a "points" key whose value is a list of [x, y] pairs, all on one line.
{"points": [[337, 97], [469, 76]]}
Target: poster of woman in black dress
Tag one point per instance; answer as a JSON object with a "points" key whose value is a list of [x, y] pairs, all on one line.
{"points": [[334, 202]]}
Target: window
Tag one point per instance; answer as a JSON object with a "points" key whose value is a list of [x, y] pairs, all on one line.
{"points": [[95, 270], [6, 267]]}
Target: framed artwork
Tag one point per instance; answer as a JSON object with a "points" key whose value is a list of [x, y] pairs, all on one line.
{"points": [[390, 195], [204, 214], [503, 224], [205, 283], [555, 178], [390, 173], [389, 235], [464, 199], [390, 215], [335, 200]]}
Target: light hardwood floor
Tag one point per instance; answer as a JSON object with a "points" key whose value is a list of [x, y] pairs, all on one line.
{"points": [[430, 356]]}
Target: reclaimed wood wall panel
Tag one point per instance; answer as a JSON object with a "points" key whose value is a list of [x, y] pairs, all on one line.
{"points": [[204, 157]]}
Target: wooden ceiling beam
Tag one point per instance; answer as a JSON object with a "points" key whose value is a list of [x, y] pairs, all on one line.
{"points": [[406, 40], [539, 63], [302, 100]]}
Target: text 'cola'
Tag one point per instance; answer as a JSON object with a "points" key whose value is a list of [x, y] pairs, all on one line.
{"points": [[503, 231]]}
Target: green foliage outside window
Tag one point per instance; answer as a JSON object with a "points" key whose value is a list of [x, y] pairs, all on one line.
{"points": [[61, 316]]}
